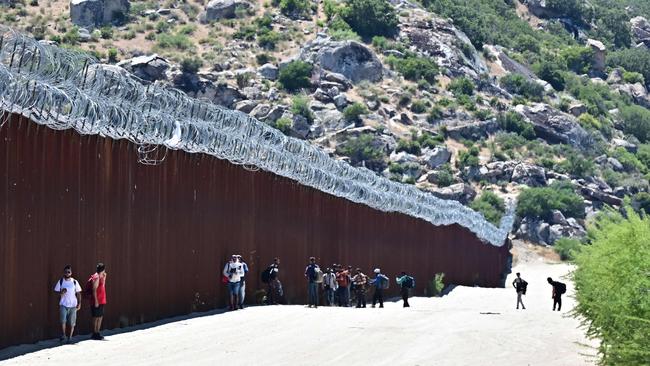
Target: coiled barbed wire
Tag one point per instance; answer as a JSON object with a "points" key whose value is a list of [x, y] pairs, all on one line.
{"points": [[63, 89]]}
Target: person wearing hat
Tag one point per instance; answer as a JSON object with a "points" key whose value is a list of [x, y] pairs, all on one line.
{"points": [[380, 282], [234, 271]]}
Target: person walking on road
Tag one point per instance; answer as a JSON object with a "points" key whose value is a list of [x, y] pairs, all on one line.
{"points": [[242, 286], [360, 280], [69, 302], [558, 289], [234, 270], [380, 282], [520, 286], [97, 283], [406, 283], [330, 286], [311, 272], [274, 286]]}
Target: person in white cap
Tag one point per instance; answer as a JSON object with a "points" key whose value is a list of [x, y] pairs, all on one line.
{"points": [[381, 283]]}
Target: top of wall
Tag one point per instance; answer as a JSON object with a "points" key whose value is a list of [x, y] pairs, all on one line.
{"points": [[63, 89]]}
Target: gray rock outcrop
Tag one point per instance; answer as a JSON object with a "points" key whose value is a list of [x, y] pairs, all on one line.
{"points": [[528, 174], [351, 59], [150, 68], [221, 9], [95, 13], [555, 126], [462, 192]]}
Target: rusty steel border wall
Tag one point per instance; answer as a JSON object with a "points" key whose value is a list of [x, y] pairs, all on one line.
{"points": [[165, 231]]}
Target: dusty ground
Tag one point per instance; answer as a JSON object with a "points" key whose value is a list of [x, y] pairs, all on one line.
{"points": [[470, 326]]}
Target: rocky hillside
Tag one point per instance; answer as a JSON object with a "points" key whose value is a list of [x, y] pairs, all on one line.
{"points": [[488, 102]]}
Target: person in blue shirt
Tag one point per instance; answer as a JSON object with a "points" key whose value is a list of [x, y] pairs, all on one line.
{"points": [[242, 282], [401, 280], [378, 282]]}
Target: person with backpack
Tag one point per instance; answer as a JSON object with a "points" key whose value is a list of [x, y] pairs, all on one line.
{"points": [[406, 282], [69, 302], [311, 272], [233, 270], [360, 280], [343, 280], [95, 291], [330, 286], [242, 286], [520, 286], [381, 283], [274, 287], [558, 289]]}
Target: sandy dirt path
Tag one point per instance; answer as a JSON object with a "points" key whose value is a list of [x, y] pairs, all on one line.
{"points": [[470, 326]]}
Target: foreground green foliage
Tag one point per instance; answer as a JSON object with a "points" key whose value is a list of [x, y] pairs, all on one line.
{"points": [[567, 248], [613, 287]]}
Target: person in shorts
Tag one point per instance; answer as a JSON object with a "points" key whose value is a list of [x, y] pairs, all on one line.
{"points": [[234, 270], [98, 299], [69, 303]]}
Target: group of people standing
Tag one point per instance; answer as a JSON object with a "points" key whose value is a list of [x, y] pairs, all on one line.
{"points": [[521, 286], [70, 299], [340, 285]]}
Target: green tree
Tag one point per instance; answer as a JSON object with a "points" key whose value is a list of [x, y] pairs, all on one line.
{"points": [[371, 17], [636, 121], [578, 59], [539, 202], [415, 68], [612, 282], [461, 86], [295, 75]]}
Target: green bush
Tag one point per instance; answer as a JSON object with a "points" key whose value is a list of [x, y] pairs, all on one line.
{"points": [[295, 8], [539, 202], [112, 55], [642, 200], [514, 122], [409, 146], [380, 42], [643, 154], [71, 37], [435, 114], [296, 75], [445, 176], [576, 165], [551, 71], [419, 106], [468, 158], [344, 35], [490, 205], [612, 284], [633, 77], [520, 85], [179, 42], [300, 106], [106, 32], [283, 124], [629, 161], [191, 65], [567, 248], [354, 111], [415, 68], [632, 59], [578, 58], [364, 150], [636, 122], [268, 39], [461, 86], [436, 285], [370, 17]]}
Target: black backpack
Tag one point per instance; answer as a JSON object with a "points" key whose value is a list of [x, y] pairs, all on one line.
{"points": [[560, 288], [409, 282], [266, 275]]}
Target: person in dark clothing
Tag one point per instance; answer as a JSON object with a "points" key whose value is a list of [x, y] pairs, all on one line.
{"points": [[311, 272], [402, 281], [557, 293], [379, 281], [360, 280], [274, 291], [520, 286]]}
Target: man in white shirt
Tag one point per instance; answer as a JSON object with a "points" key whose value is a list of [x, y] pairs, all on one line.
{"points": [[70, 301], [234, 270]]}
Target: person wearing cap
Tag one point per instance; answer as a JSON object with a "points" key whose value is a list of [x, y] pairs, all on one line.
{"points": [[234, 270], [360, 280], [330, 286], [380, 282], [242, 282]]}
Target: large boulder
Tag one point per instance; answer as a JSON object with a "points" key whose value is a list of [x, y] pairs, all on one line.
{"points": [[498, 171], [436, 157], [599, 55], [641, 30], [268, 71], [440, 40], [556, 232], [201, 88], [150, 68], [95, 13], [220, 9], [637, 92], [554, 126], [474, 130], [462, 192], [535, 231], [530, 175], [351, 59]]}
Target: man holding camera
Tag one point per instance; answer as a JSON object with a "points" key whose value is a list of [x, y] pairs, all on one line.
{"points": [[70, 302], [234, 270]]}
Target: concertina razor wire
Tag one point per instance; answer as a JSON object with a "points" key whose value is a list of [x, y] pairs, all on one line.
{"points": [[64, 89]]}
